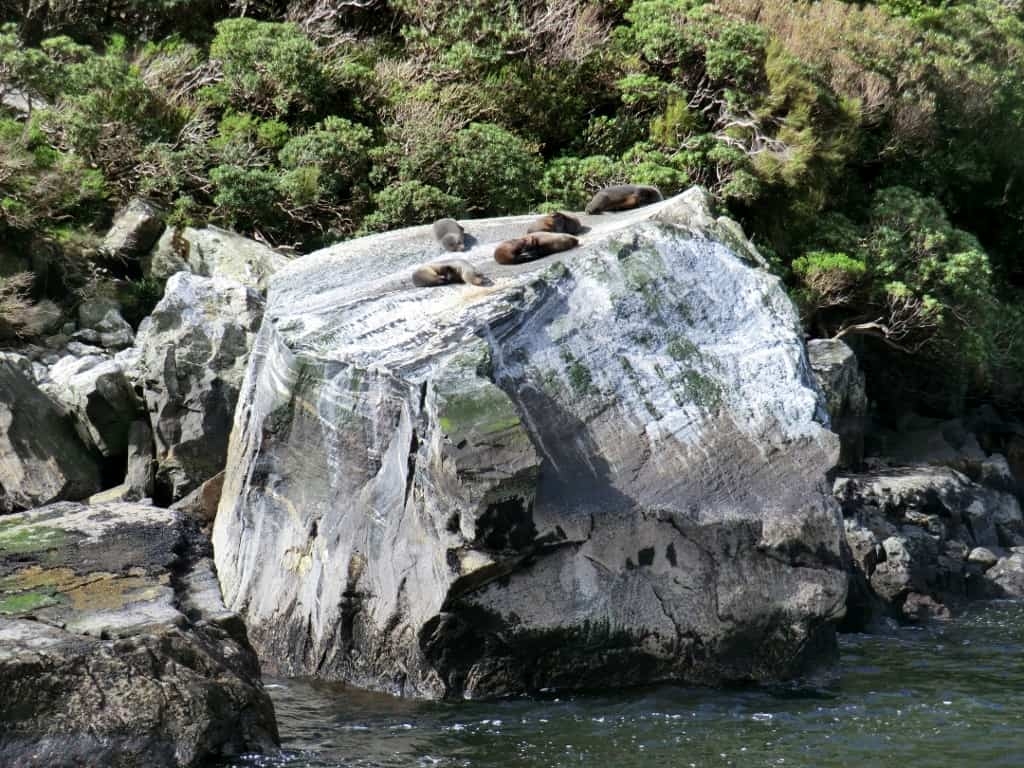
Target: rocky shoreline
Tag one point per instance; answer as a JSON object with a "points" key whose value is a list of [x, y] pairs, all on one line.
{"points": [[455, 492]]}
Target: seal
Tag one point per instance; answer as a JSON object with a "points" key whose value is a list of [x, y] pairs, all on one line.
{"points": [[622, 197], [446, 272], [534, 246], [557, 222], [450, 234]]}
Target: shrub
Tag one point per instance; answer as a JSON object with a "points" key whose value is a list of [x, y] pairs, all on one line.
{"points": [[409, 203], [270, 69]]}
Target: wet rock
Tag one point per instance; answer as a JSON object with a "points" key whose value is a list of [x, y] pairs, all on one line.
{"points": [[920, 608], [42, 459], [1006, 577], [606, 468], [134, 232], [115, 649], [214, 252], [190, 362], [838, 374]]}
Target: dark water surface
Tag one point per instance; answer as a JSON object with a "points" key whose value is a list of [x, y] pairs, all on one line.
{"points": [[947, 695]]}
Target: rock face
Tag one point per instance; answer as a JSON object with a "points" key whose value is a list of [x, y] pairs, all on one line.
{"points": [[835, 367], [115, 648], [191, 361], [42, 459], [606, 468], [214, 252]]}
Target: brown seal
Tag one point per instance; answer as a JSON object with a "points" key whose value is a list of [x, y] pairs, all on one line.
{"points": [[534, 246], [622, 197], [557, 222], [450, 234], [445, 272]]}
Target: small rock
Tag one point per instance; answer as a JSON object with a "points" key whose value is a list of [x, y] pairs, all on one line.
{"points": [[202, 503], [983, 557]]}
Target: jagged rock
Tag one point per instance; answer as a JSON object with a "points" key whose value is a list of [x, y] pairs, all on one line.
{"points": [[42, 459], [190, 364], [935, 526], [135, 230], [102, 325], [922, 494], [201, 504], [605, 468], [98, 396], [115, 651], [141, 460], [214, 252], [835, 367]]}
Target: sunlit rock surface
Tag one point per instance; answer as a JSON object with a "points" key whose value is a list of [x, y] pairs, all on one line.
{"points": [[606, 468]]}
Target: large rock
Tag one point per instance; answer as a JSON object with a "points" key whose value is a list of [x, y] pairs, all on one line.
{"points": [[835, 367], [191, 360], [42, 458], [97, 394], [117, 651], [606, 468], [214, 252]]}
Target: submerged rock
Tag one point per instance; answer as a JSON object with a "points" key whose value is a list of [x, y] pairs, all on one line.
{"points": [[42, 458], [115, 648], [191, 360], [606, 468]]}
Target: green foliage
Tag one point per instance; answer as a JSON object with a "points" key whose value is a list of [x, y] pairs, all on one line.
{"points": [[335, 152], [270, 69], [494, 171], [246, 197], [408, 203]]}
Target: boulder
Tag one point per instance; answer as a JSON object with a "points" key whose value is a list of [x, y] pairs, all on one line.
{"points": [[836, 370], [136, 229], [190, 363], [605, 468], [97, 394], [102, 325], [1006, 577], [42, 458], [214, 252], [115, 649]]}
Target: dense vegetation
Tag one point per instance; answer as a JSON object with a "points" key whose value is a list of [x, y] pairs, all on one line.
{"points": [[872, 150]]}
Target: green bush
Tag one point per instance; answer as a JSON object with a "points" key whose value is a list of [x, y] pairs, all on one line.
{"points": [[494, 171], [408, 203], [270, 69]]}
